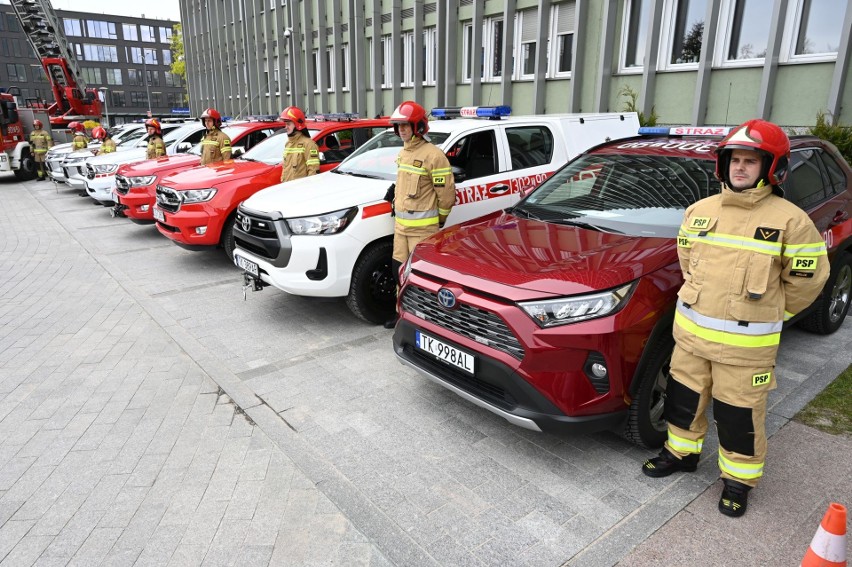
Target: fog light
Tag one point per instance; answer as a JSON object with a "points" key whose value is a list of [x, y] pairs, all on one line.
{"points": [[200, 230], [144, 208], [597, 372]]}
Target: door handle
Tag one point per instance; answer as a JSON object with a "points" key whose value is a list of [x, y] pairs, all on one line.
{"points": [[498, 189], [839, 217]]}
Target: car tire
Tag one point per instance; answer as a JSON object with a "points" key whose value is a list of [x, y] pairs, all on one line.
{"points": [[372, 291], [646, 425], [27, 170], [227, 240], [831, 307]]}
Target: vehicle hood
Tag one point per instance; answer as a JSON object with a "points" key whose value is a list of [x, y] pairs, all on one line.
{"points": [[127, 156], [317, 194], [214, 174], [159, 165], [523, 259]]}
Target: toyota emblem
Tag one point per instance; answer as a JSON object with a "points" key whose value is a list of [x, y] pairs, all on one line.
{"points": [[245, 222], [446, 298]]}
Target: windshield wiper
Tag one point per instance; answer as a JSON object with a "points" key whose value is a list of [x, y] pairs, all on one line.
{"points": [[355, 174], [518, 211], [586, 225]]}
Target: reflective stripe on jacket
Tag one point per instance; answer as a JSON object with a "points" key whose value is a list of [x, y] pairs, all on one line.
{"points": [[108, 146], [79, 142], [425, 188], [215, 147], [156, 147], [301, 157], [40, 141], [750, 261]]}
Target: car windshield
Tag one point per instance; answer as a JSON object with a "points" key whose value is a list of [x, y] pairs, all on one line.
{"points": [[639, 195], [377, 157], [131, 138], [271, 150], [179, 134]]}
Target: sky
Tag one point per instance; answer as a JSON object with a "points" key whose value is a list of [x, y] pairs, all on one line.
{"points": [[163, 9]]}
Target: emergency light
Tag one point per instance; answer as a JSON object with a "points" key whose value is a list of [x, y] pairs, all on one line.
{"points": [[334, 116], [492, 112], [713, 131]]}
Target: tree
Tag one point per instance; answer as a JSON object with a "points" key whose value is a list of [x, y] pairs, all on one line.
{"points": [[691, 51], [178, 66]]}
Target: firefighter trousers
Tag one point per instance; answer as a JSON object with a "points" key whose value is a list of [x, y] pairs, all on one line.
{"points": [[739, 396]]}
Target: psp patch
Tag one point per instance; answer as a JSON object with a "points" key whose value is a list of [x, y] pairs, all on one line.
{"points": [[803, 267], [761, 379], [683, 242], [439, 181], [314, 153], [699, 223], [767, 234]]}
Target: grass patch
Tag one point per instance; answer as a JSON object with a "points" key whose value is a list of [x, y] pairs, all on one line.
{"points": [[831, 410]]}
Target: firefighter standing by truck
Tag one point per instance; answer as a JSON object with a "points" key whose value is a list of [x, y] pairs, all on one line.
{"points": [[301, 154], [425, 189], [750, 260], [41, 141], [107, 143], [216, 145], [156, 146], [79, 142]]}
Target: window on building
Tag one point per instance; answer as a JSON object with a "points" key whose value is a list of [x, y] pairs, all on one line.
{"points": [[16, 72], [526, 47], [113, 76], [153, 78], [165, 34], [329, 69], [344, 72], [561, 47], [134, 77], [38, 74], [72, 27], [134, 55], [129, 31], [744, 29], [634, 34], [491, 49], [118, 99], [156, 99], [147, 33], [408, 59], [150, 56], [93, 52], [102, 30], [315, 72], [172, 79], [685, 31], [92, 75], [430, 56], [167, 57], [138, 98], [387, 62], [818, 27]]}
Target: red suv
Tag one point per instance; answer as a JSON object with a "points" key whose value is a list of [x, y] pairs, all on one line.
{"points": [[196, 208], [556, 313], [136, 183]]}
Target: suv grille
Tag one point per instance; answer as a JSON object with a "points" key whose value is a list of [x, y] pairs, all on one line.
{"points": [[122, 184], [471, 322], [168, 199], [257, 234]]}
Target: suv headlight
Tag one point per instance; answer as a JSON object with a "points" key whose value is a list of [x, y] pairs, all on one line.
{"points": [[109, 168], [141, 181], [563, 311], [328, 223], [197, 195]]}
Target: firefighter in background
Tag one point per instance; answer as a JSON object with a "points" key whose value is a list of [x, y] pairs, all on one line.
{"points": [[107, 143], [301, 154], [750, 261], [40, 141], [425, 189], [216, 145], [79, 142], [156, 147]]}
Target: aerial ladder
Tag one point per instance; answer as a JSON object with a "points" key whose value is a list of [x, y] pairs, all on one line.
{"points": [[74, 101]]}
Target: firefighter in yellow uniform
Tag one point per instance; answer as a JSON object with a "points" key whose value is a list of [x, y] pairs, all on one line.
{"points": [[107, 143], [301, 153], [40, 141], [425, 190], [750, 260], [156, 147], [216, 145], [79, 142]]}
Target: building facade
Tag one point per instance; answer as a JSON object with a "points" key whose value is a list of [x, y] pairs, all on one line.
{"points": [[127, 58], [690, 61]]}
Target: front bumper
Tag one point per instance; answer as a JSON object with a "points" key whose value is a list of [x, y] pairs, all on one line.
{"points": [[139, 202], [101, 188], [182, 227]]}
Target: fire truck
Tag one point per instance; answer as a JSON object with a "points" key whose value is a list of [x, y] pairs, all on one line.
{"points": [[15, 127]]}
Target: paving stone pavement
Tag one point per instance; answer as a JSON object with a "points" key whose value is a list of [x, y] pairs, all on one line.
{"points": [[149, 414]]}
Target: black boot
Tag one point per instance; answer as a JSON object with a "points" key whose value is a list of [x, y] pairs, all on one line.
{"points": [[666, 464], [734, 500]]}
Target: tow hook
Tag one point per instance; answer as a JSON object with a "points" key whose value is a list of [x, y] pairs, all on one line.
{"points": [[250, 283], [117, 211]]}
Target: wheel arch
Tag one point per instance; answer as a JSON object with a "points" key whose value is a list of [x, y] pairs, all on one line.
{"points": [[662, 330]]}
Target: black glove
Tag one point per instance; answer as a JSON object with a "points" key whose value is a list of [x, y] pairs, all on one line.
{"points": [[389, 195]]}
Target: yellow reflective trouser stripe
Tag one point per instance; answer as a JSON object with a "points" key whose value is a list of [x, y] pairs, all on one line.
{"points": [[685, 445], [812, 249], [443, 211], [788, 315], [747, 471], [412, 169], [417, 222], [724, 338], [38, 151]]}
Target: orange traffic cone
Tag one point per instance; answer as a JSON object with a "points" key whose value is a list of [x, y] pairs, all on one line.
{"points": [[828, 548]]}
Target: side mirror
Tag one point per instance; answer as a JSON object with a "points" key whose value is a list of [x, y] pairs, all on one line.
{"points": [[184, 147], [237, 151], [459, 174]]}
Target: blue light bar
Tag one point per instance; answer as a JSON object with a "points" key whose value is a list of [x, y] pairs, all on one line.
{"points": [[713, 131], [493, 112]]}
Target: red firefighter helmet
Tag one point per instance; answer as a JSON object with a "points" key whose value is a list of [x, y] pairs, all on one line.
{"points": [[295, 115], [764, 137], [37, 123], [214, 114], [155, 124], [409, 112], [76, 127], [99, 133]]}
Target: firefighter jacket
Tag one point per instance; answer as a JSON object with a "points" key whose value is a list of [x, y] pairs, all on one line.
{"points": [[40, 141], [156, 147], [215, 146], [425, 188], [79, 142], [108, 146], [750, 261], [301, 157]]}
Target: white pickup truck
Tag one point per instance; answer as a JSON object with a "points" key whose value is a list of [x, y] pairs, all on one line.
{"points": [[331, 235]]}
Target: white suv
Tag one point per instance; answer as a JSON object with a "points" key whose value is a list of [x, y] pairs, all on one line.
{"points": [[56, 155], [331, 235]]}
